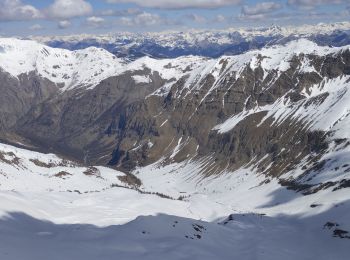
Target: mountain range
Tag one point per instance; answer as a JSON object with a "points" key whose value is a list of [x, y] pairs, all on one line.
{"points": [[212, 44]]}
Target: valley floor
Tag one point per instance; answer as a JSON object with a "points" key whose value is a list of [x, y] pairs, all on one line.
{"points": [[53, 209]]}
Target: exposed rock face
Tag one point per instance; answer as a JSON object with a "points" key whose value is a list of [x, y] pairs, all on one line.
{"points": [[76, 122], [185, 119], [18, 95], [262, 108]]}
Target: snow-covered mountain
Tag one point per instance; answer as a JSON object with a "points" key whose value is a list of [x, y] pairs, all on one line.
{"points": [[299, 81], [242, 156], [84, 67], [81, 68], [203, 43]]}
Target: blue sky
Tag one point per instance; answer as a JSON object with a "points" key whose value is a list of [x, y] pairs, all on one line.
{"points": [[59, 17]]}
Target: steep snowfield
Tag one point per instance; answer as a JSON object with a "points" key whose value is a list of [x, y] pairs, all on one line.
{"points": [[330, 113], [80, 215], [78, 68], [244, 190]]}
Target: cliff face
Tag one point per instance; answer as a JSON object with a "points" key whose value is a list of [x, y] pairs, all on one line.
{"points": [[19, 95]]}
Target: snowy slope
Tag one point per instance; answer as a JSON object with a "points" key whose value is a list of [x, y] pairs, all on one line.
{"points": [[229, 216], [88, 67], [68, 186], [325, 105], [275, 58], [78, 68], [247, 237], [82, 68]]}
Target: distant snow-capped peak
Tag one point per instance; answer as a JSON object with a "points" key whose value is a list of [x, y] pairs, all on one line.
{"points": [[71, 68], [174, 38], [81, 68], [88, 67]]}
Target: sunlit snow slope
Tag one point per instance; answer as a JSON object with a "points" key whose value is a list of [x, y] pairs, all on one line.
{"points": [[81, 68]]}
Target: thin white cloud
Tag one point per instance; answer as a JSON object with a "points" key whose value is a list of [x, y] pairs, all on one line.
{"points": [[313, 3], [126, 12], [64, 24], [178, 4], [261, 8], [65, 9], [95, 21], [219, 18], [36, 27], [143, 19], [259, 11], [196, 18], [17, 10]]}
